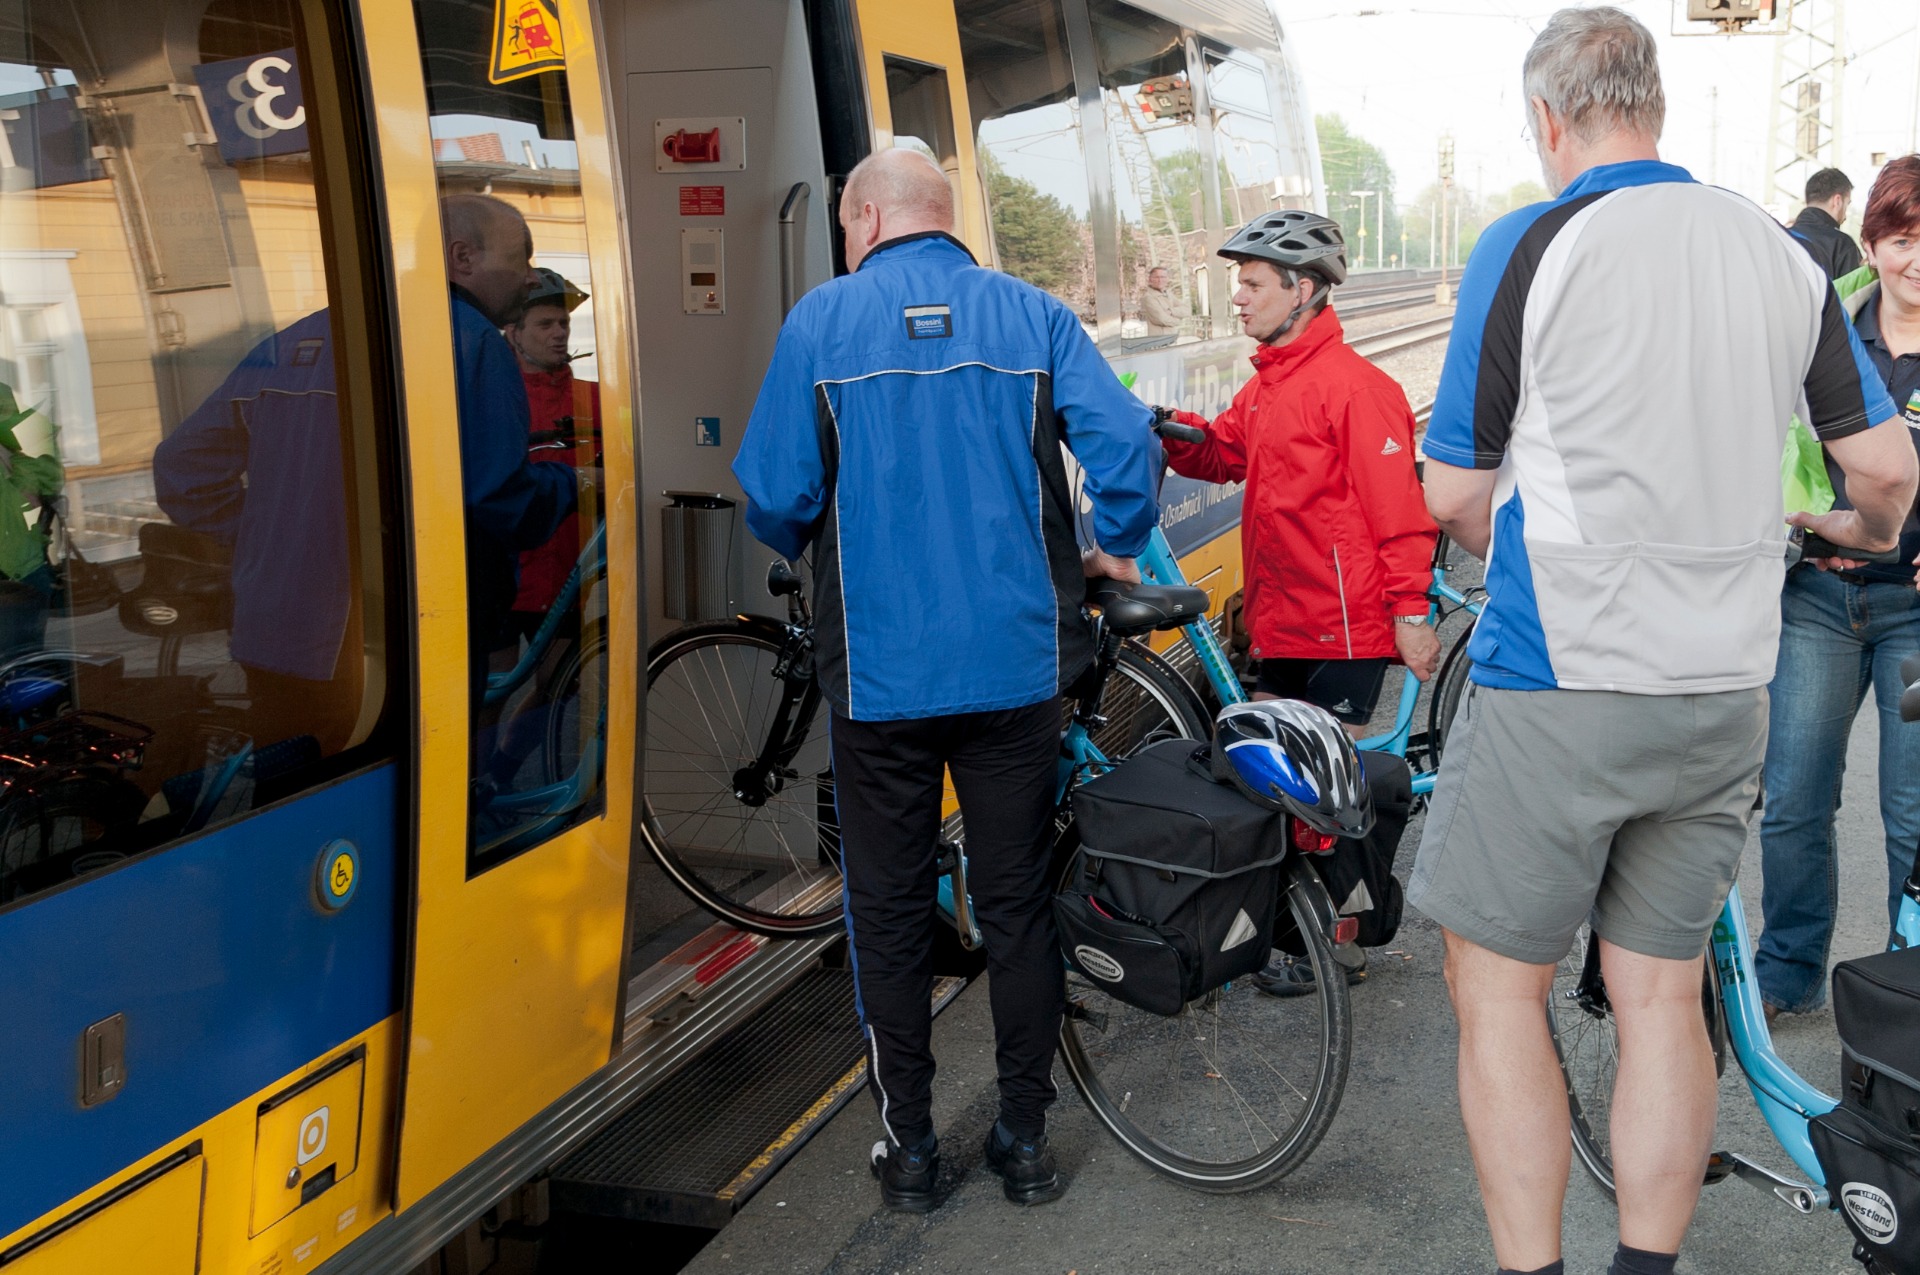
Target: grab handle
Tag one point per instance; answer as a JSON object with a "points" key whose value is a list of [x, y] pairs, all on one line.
{"points": [[791, 212]]}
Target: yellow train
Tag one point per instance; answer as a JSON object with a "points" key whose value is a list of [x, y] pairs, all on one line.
{"points": [[319, 935]]}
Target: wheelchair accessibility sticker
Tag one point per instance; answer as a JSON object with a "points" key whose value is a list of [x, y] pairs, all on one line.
{"points": [[338, 876]]}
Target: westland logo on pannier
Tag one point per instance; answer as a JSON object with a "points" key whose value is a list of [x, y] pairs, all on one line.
{"points": [[1175, 886], [1868, 1144], [1873, 1209]]}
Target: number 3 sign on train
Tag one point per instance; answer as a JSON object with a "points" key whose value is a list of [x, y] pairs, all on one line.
{"points": [[256, 105]]}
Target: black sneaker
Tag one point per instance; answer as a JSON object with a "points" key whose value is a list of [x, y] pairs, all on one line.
{"points": [[906, 1177], [1026, 1169], [1293, 976]]}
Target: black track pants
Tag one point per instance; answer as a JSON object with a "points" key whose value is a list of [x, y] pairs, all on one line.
{"points": [[888, 777]]}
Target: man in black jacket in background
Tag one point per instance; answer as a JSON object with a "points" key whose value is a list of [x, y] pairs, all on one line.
{"points": [[1818, 226]]}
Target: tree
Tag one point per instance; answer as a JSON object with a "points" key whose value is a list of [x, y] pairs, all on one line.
{"points": [[1349, 162], [1039, 238]]}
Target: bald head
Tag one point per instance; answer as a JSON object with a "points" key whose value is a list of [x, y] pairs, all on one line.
{"points": [[890, 194], [489, 253]]}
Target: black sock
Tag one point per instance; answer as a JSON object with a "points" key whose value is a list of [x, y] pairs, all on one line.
{"points": [[1005, 1136], [1637, 1261], [1556, 1267]]}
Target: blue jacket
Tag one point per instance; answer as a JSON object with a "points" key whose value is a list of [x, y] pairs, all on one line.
{"points": [[258, 467], [512, 503], [910, 429]]}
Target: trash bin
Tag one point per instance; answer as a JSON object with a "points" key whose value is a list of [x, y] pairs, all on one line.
{"points": [[697, 549]]}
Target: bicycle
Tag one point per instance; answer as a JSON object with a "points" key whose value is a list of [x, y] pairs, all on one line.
{"points": [[1580, 1019]]}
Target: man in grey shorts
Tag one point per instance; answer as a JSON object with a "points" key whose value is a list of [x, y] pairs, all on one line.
{"points": [[1624, 363]]}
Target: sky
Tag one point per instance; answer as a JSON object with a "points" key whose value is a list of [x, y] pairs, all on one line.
{"points": [[1404, 71]]}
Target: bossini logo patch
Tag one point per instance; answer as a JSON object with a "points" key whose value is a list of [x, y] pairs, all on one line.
{"points": [[1099, 964], [1872, 1209], [928, 322]]}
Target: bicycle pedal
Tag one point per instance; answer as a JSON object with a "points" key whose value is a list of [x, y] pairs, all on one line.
{"points": [[1078, 1012], [1720, 1166]]}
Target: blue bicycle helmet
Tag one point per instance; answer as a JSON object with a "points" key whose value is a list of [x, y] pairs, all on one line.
{"points": [[1295, 757]]}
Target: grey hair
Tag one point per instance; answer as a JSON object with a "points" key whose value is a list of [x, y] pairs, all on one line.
{"points": [[1599, 70]]}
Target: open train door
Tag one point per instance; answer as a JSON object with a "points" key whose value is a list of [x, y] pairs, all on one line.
{"points": [[917, 90], [526, 744]]}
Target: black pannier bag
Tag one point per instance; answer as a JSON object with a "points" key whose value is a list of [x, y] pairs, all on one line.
{"points": [[1358, 872], [1174, 889], [1869, 1146]]}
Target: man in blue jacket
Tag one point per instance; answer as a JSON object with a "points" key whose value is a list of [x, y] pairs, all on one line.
{"points": [[910, 430], [512, 504]]}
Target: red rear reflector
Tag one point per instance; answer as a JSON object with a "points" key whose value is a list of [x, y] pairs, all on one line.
{"points": [[1306, 839], [1346, 929]]}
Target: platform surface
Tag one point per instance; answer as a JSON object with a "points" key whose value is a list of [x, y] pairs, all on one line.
{"points": [[1390, 1190]]}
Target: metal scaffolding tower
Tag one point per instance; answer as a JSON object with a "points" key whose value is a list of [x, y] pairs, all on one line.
{"points": [[1809, 74]]}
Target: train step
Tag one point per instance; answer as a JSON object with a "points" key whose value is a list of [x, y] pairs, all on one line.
{"points": [[696, 1148]]}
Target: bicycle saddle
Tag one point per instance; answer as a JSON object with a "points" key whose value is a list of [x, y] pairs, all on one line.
{"points": [[1142, 608]]}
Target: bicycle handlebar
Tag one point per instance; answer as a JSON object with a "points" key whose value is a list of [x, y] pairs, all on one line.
{"points": [[1165, 426]]}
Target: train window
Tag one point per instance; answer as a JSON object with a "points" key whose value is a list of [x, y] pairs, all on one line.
{"points": [[1157, 172], [513, 225], [192, 604], [1027, 137], [1249, 168], [923, 113]]}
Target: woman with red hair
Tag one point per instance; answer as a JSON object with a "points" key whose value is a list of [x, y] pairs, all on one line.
{"points": [[1845, 628]]}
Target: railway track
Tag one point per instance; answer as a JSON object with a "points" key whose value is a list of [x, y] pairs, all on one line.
{"points": [[1404, 337]]}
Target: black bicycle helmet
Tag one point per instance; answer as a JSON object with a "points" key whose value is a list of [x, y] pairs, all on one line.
{"points": [[1293, 239], [553, 289], [1295, 757]]}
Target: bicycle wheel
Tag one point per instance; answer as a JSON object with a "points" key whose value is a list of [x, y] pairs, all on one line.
{"points": [[1580, 1018], [1449, 687], [577, 714], [1237, 1089], [1146, 701], [766, 860]]}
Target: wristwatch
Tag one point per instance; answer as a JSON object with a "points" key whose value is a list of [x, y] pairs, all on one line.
{"points": [[1409, 619]]}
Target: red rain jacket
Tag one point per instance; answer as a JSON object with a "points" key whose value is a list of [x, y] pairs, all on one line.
{"points": [[1334, 529], [564, 411]]}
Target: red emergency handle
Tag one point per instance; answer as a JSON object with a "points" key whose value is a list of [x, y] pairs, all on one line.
{"points": [[693, 148]]}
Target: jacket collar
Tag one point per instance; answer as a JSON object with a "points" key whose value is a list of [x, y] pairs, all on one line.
{"points": [[923, 237], [1820, 217], [1274, 361], [560, 377], [1632, 172]]}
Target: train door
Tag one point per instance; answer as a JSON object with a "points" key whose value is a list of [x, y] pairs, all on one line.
{"points": [[730, 217], [204, 680], [523, 547]]}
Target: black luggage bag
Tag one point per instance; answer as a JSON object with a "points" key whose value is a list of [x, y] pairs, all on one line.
{"points": [[1358, 871], [1869, 1146], [1175, 886]]}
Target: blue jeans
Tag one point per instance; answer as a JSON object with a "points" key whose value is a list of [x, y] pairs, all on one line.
{"points": [[1836, 640]]}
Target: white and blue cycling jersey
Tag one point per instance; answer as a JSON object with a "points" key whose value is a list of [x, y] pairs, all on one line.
{"points": [[1628, 357]]}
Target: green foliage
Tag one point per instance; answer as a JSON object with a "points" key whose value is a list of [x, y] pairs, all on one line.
{"points": [[1037, 235], [1180, 174], [1349, 162]]}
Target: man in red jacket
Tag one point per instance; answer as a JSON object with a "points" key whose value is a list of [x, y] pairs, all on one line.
{"points": [[1336, 542]]}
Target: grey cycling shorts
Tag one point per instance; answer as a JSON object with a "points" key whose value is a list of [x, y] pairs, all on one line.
{"points": [[1555, 807]]}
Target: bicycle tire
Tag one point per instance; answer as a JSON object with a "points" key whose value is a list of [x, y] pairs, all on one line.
{"points": [[771, 868], [580, 690], [1449, 688], [1586, 1043], [1195, 1096]]}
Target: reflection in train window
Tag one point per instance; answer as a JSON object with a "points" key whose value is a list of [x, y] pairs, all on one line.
{"points": [[1027, 122], [192, 597], [513, 226], [1250, 181], [1158, 173], [923, 113]]}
